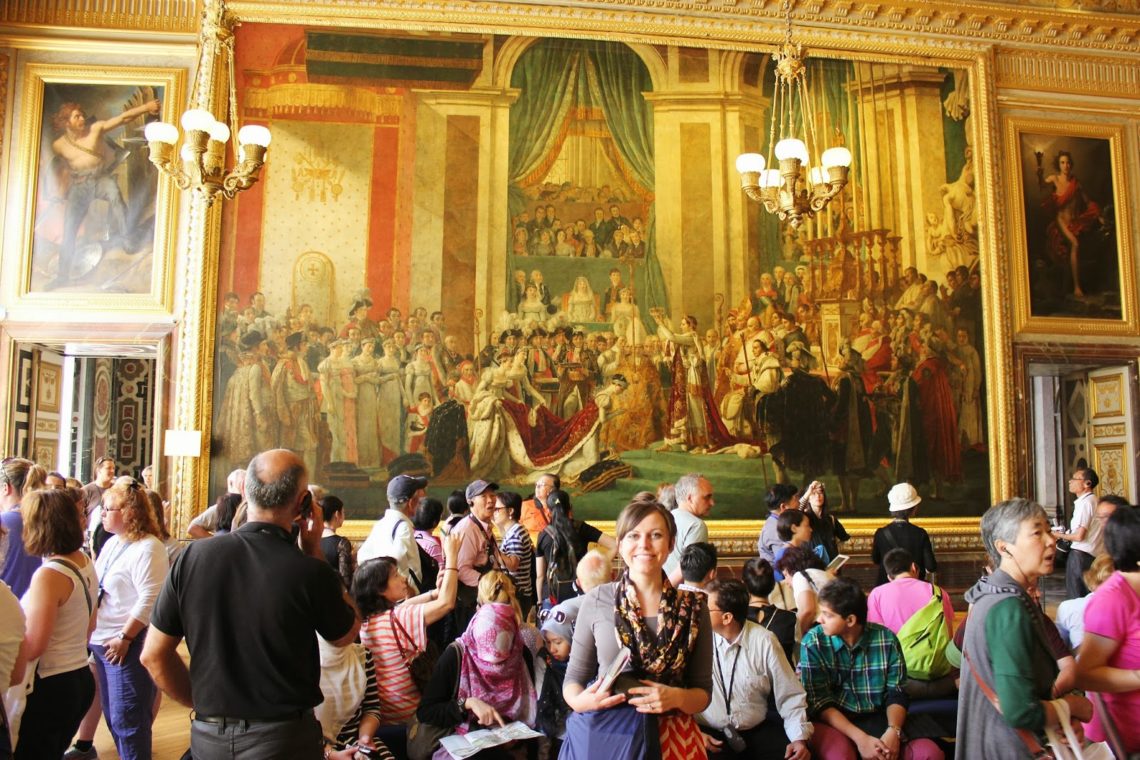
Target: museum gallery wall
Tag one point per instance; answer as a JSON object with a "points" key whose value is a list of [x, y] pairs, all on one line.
{"points": [[493, 256]]}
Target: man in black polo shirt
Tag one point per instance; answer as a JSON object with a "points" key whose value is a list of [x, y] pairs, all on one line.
{"points": [[248, 604]]}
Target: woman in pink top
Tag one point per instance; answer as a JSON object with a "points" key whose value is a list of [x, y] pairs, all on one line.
{"points": [[1110, 653], [395, 627]]}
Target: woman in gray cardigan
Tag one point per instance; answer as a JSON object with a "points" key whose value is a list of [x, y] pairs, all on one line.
{"points": [[669, 675], [1008, 670]]}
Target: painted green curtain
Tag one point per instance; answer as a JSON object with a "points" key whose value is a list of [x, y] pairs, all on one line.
{"points": [[556, 75]]}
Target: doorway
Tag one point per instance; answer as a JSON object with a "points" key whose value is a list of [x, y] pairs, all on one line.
{"points": [[1081, 415], [72, 403]]}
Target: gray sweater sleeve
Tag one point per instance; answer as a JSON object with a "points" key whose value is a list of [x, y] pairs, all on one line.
{"points": [[595, 639], [596, 643]]}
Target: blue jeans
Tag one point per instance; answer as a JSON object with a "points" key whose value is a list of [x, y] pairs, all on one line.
{"points": [[127, 695]]}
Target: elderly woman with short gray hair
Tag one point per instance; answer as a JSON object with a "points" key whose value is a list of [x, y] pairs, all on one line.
{"points": [[1008, 669]]}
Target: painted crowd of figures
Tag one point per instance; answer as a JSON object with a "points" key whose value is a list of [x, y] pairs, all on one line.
{"points": [[899, 400]]}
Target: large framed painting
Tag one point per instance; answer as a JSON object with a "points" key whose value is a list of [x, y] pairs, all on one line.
{"points": [[1072, 243], [480, 255], [97, 221]]}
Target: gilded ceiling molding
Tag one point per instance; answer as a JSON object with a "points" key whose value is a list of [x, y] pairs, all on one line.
{"points": [[1074, 74], [719, 21], [175, 16], [1109, 25]]}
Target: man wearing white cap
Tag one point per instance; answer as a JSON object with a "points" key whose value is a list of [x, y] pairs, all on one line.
{"points": [[903, 502], [394, 535]]}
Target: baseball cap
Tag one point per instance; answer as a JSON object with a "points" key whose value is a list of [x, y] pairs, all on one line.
{"points": [[477, 487], [403, 487]]}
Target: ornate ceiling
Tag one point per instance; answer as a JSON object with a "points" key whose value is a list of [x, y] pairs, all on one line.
{"points": [[1106, 25]]}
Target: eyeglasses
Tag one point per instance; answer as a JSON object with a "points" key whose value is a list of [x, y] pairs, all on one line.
{"points": [[112, 509]]}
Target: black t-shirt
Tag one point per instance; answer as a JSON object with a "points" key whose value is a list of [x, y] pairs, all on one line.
{"points": [[780, 622], [584, 535], [900, 534], [248, 604]]}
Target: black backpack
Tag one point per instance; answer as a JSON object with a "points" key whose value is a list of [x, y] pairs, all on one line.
{"points": [[558, 587], [429, 568]]}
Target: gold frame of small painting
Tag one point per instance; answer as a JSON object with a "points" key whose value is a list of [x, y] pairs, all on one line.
{"points": [[96, 230], [1071, 236]]}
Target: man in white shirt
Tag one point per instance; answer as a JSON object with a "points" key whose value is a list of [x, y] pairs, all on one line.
{"points": [[394, 535], [748, 666], [1082, 485], [694, 502]]}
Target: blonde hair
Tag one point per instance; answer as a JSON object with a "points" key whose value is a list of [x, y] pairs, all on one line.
{"points": [[138, 517], [593, 569], [496, 587], [1099, 571]]}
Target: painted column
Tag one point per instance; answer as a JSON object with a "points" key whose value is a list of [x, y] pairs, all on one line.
{"points": [[472, 123]]}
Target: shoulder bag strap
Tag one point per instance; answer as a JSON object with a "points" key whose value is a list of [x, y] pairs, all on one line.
{"points": [[1027, 737], [397, 629], [415, 578], [70, 567]]}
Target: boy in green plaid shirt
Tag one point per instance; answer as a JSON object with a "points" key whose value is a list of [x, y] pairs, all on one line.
{"points": [[853, 672]]}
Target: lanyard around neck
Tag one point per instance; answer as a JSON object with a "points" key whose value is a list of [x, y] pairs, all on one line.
{"points": [[732, 680]]}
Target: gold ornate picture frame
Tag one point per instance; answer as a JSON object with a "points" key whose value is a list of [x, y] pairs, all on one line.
{"points": [[1070, 228], [95, 223]]}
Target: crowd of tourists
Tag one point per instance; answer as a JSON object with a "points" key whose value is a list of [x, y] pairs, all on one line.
{"points": [[493, 609]]}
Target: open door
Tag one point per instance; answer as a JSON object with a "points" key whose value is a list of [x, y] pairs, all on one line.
{"points": [[1111, 437]]}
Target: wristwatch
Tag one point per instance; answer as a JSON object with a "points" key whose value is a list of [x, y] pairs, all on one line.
{"points": [[897, 731], [460, 702], [124, 637]]}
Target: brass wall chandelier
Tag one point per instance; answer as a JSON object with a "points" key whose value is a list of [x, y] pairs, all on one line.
{"points": [[201, 163], [793, 191]]}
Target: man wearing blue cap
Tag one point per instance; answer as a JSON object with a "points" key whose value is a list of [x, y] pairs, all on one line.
{"points": [[393, 535]]}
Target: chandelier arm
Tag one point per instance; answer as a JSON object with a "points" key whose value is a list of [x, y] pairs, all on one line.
{"points": [[774, 116], [811, 138], [171, 169], [229, 45]]}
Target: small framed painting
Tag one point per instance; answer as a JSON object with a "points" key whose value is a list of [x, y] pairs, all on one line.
{"points": [[1071, 252], [98, 222]]}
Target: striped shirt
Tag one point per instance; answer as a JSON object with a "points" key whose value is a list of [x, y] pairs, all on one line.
{"points": [[517, 543], [370, 705], [862, 679], [399, 696]]}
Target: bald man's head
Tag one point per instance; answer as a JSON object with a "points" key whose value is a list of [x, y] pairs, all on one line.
{"points": [[235, 482], [275, 480]]}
